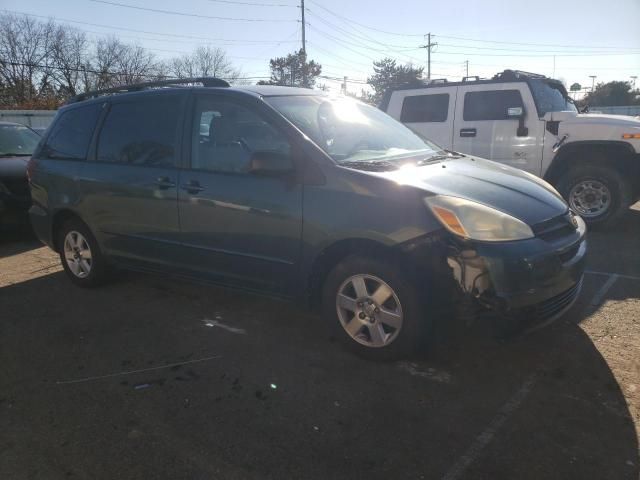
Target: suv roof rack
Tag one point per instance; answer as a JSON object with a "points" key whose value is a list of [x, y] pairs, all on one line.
{"points": [[471, 78], [135, 87], [515, 74], [437, 80]]}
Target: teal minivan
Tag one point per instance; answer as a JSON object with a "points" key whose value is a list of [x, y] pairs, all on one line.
{"points": [[297, 194]]}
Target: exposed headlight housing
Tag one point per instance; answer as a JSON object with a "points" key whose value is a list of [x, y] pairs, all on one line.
{"points": [[475, 221]]}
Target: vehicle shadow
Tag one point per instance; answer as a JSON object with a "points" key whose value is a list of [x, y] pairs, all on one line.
{"points": [[281, 401], [16, 241]]}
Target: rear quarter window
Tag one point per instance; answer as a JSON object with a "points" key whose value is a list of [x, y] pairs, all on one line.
{"points": [[71, 133], [425, 108], [490, 104]]}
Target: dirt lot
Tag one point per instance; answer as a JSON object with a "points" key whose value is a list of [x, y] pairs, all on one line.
{"points": [[156, 378]]}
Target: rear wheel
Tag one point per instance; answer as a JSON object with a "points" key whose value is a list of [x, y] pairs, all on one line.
{"points": [[600, 195], [373, 309], [80, 254]]}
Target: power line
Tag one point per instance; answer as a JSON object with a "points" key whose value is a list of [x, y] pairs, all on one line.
{"points": [[604, 54], [365, 26], [529, 44], [253, 4], [185, 14], [113, 27], [635, 50]]}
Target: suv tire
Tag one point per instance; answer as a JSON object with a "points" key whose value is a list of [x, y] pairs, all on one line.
{"points": [[374, 309], [80, 254], [598, 187]]}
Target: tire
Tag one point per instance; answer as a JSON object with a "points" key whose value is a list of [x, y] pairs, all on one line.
{"points": [[606, 183], [377, 333], [86, 266]]}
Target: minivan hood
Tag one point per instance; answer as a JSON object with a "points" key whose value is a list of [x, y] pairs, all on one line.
{"points": [[512, 191]]}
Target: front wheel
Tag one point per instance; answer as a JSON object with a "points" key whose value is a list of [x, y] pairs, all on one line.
{"points": [[600, 195], [374, 309]]}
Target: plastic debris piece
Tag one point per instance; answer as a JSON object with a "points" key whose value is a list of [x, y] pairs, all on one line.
{"points": [[141, 386]]}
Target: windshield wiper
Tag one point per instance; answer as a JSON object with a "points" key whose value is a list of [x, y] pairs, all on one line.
{"points": [[448, 155], [373, 165]]}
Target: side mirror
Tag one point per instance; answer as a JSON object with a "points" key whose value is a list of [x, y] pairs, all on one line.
{"points": [[518, 113], [270, 164], [515, 112]]}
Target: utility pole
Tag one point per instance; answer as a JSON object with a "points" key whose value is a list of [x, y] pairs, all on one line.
{"points": [[304, 43], [593, 81], [429, 46], [466, 64], [304, 46], [554, 67], [344, 85]]}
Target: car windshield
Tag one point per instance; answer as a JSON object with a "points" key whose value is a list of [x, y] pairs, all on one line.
{"points": [[17, 140], [351, 131], [549, 97]]}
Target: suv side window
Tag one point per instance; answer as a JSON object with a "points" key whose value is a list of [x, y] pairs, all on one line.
{"points": [[142, 132], [490, 104], [71, 134], [425, 108], [225, 134]]}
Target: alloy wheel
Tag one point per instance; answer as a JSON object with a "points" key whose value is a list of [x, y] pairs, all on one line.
{"points": [[77, 254], [369, 310]]}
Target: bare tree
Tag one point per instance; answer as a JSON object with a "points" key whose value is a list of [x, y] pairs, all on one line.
{"points": [[118, 63], [70, 61], [204, 62], [25, 46]]}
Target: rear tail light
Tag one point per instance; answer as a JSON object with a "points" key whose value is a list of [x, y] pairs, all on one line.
{"points": [[31, 168]]}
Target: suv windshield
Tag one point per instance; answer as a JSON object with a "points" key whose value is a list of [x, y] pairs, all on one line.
{"points": [[17, 140], [549, 97], [350, 131]]}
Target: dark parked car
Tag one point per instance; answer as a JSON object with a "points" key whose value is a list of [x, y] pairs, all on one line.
{"points": [[300, 195], [17, 143]]}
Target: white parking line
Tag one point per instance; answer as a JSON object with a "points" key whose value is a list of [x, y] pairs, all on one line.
{"points": [[599, 295], [608, 274], [482, 440]]}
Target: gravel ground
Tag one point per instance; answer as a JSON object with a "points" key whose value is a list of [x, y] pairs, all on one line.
{"points": [[156, 378]]}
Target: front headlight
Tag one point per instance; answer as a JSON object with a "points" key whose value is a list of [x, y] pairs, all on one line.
{"points": [[473, 220]]}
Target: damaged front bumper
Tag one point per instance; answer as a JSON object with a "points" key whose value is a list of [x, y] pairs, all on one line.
{"points": [[527, 283]]}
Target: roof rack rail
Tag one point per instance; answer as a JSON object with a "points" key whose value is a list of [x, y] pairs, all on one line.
{"points": [[514, 74], [470, 78], [437, 80], [135, 87]]}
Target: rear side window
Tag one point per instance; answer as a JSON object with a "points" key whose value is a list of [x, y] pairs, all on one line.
{"points": [[142, 132], [425, 108], [71, 134], [490, 104]]}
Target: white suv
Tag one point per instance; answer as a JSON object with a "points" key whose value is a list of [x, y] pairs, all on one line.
{"points": [[528, 121]]}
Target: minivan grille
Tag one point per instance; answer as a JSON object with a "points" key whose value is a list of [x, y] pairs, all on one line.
{"points": [[555, 228], [551, 307]]}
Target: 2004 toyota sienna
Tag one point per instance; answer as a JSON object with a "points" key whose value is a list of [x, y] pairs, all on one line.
{"points": [[297, 194]]}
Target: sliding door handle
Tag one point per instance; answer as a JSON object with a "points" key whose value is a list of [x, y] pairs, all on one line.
{"points": [[164, 183], [468, 132], [192, 187]]}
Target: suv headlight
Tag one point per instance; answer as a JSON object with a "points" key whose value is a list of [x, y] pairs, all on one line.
{"points": [[473, 220]]}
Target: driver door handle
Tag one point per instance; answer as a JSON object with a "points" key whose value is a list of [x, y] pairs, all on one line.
{"points": [[468, 132], [192, 187]]}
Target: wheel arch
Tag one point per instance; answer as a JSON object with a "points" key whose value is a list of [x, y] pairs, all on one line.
{"points": [[422, 255], [618, 155], [59, 218]]}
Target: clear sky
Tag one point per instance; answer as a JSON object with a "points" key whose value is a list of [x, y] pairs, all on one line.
{"points": [[589, 37]]}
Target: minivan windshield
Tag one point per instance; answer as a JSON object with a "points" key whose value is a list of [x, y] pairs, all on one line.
{"points": [[549, 97], [17, 141], [351, 131]]}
